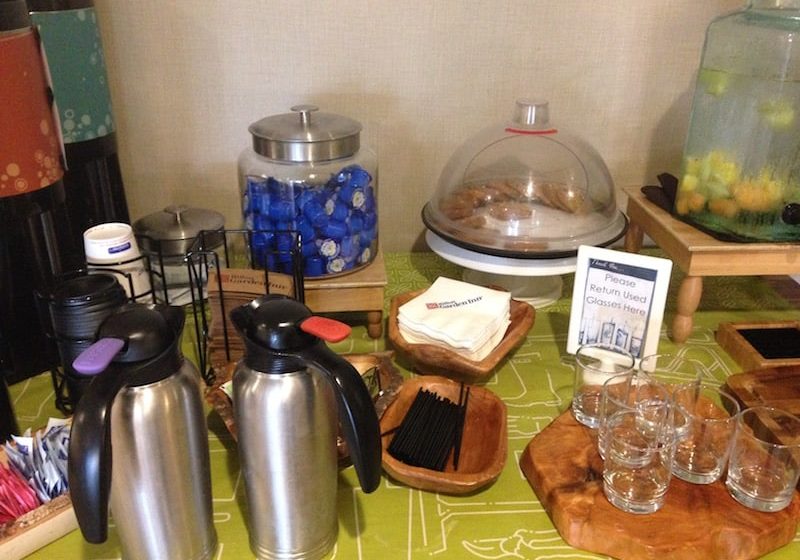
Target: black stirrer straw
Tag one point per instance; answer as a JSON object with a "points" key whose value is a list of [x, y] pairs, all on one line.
{"points": [[460, 427]]}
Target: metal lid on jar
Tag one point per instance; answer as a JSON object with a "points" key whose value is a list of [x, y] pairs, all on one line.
{"points": [[174, 229], [306, 135]]}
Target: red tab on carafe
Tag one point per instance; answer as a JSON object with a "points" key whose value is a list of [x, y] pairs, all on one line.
{"points": [[328, 330]]}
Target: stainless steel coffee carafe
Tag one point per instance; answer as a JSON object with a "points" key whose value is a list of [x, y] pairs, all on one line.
{"points": [[286, 394], [139, 433]]}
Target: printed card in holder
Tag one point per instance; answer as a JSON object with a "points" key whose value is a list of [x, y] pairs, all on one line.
{"points": [[618, 300]]}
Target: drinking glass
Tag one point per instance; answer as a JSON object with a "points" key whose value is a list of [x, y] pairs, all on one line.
{"points": [[638, 464], [594, 364], [708, 417], [765, 460], [674, 369], [633, 391]]}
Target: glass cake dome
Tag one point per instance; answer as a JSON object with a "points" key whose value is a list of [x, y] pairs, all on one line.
{"points": [[527, 190]]}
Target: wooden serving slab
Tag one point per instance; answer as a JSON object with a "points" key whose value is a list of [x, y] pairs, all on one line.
{"points": [[697, 522]]}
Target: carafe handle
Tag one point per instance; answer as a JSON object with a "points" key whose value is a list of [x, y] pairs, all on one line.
{"points": [[357, 414], [89, 462]]}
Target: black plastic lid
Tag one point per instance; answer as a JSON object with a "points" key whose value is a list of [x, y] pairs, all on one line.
{"points": [[86, 290], [152, 340], [273, 322], [146, 330]]}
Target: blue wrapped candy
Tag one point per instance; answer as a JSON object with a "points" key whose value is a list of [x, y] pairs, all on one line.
{"points": [[262, 222], [306, 230], [337, 210], [285, 266], [315, 213], [315, 266], [328, 248], [304, 197], [309, 249], [261, 203], [367, 237], [281, 210], [266, 260], [334, 229], [366, 256], [370, 220], [353, 196], [359, 177], [263, 240], [356, 221], [336, 220], [359, 199], [336, 265], [253, 193], [369, 200], [349, 248], [285, 242], [277, 188]]}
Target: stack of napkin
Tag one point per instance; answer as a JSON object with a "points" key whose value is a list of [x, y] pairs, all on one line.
{"points": [[467, 319]]}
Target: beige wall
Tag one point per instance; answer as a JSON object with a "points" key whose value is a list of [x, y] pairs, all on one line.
{"points": [[188, 77]]}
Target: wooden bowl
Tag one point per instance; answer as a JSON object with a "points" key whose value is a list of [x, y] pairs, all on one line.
{"points": [[429, 358], [484, 443]]}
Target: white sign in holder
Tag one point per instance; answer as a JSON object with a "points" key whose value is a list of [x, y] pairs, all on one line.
{"points": [[618, 300]]}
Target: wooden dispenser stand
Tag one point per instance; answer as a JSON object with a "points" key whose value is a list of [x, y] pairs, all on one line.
{"points": [[698, 255]]}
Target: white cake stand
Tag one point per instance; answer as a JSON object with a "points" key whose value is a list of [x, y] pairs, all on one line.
{"points": [[534, 281]]}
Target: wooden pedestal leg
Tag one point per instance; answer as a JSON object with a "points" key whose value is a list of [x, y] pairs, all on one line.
{"points": [[634, 238], [375, 323], [688, 299]]}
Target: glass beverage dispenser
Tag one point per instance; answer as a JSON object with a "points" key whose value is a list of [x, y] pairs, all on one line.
{"points": [[740, 177]]}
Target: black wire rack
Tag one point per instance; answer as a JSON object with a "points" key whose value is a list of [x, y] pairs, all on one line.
{"points": [[237, 250], [59, 379]]}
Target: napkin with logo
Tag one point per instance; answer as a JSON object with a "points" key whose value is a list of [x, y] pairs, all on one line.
{"points": [[467, 319]]}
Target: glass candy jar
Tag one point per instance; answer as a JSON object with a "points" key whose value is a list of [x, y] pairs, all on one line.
{"points": [[308, 175], [740, 176]]}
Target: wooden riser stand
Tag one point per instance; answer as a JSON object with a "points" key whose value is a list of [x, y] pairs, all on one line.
{"points": [[360, 291]]}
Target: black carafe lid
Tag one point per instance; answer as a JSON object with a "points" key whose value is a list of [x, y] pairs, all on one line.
{"points": [[142, 342], [276, 327]]}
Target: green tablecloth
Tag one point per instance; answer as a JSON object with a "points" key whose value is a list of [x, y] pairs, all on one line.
{"points": [[505, 520]]}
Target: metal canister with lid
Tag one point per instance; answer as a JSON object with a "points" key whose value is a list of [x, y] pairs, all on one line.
{"points": [[308, 175], [169, 236]]}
